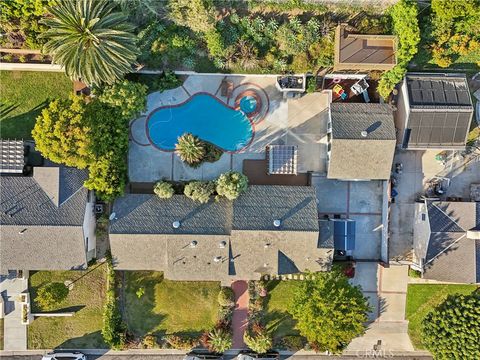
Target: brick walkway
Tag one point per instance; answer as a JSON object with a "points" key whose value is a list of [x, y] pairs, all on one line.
{"points": [[240, 314]]}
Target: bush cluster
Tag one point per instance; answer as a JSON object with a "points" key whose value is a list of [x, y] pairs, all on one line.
{"points": [[164, 190], [51, 294], [181, 342], [200, 191]]}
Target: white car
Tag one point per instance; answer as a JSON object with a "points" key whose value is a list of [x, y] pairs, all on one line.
{"points": [[65, 356]]}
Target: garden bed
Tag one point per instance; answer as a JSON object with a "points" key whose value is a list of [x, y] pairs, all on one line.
{"points": [[86, 299], [421, 299]]}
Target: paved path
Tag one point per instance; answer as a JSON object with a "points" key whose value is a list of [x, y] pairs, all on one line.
{"points": [[240, 314], [15, 334]]}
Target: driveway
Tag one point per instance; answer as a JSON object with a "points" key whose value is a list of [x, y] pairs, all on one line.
{"points": [[386, 290]]}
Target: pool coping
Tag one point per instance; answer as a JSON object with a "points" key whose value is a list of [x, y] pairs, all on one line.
{"points": [[147, 120]]}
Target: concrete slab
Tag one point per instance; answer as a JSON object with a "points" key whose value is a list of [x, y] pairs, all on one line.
{"points": [[148, 164], [374, 302], [207, 171], [331, 195], [138, 131], [393, 337], [366, 196], [366, 276], [167, 97], [368, 236], [201, 83], [392, 307], [394, 279]]}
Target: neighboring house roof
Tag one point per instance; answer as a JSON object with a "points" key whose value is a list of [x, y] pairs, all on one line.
{"points": [[362, 141], [42, 219], [449, 246], [441, 110], [363, 51], [219, 239]]}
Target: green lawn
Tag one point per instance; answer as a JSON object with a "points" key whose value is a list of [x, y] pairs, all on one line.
{"points": [[86, 299], [168, 307], [277, 318], [22, 97], [421, 299]]}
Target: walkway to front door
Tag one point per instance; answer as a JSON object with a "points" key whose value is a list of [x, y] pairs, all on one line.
{"points": [[240, 313]]}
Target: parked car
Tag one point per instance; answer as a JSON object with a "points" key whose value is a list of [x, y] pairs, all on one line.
{"points": [[202, 355], [250, 355], [64, 356]]}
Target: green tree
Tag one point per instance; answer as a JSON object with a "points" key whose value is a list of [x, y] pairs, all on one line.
{"points": [[232, 184], [51, 294], [164, 190], [90, 41], [329, 311], [198, 15], [199, 191], [259, 340], [219, 340], [61, 134], [452, 329], [190, 149], [126, 95]]}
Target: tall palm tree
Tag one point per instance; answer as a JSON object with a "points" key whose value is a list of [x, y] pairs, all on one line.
{"points": [[93, 43], [190, 149]]}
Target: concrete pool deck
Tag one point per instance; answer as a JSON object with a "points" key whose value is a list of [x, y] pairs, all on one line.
{"points": [[298, 121]]}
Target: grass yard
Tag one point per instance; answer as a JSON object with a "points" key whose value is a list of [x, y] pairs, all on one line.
{"points": [[277, 318], [86, 299], [168, 307], [22, 97], [421, 299]]}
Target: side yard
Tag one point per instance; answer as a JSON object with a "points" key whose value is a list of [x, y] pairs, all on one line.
{"points": [[155, 305], [22, 97], [1, 334], [86, 299], [421, 299]]}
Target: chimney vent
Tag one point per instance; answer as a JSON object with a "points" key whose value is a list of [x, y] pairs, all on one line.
{"points": [[194, 244], [217, 259], [364, 133], [176, 224], [277, 223], [21, 232], [222, 244]]}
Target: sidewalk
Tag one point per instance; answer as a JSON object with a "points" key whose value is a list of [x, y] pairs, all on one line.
{"points": [[15, 334], [240, 313]]}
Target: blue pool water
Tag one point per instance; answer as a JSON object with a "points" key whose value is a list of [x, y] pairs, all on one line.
{"points": [[204, 116], [248, 104]]}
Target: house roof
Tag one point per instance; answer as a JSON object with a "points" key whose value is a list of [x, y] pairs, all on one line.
{"points": [[363, 51], [449, 223], [245, 227], [362, 142], [41, 219], [441, 110]]}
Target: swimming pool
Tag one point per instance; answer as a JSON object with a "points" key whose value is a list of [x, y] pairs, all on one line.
{"points": [[202, 115]]}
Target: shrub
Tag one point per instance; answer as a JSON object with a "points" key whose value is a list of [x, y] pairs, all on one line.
{"points": [[51, 294], [181, 342], [226, 296], [164, 190], [129, 97], [232, 184], [390, 79], [149, 341], [219, 340], [293, 342], [215, 45], [311, 84], [212, 152], [259, 340], [452, 329], [190, 149], [140, 292], [199, 191]]}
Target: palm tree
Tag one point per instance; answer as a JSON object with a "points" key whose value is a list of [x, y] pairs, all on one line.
{"points": [[190, 149], [89, 41]]}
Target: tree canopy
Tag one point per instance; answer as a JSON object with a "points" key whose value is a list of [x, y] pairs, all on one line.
{"points": [[330, 312], [452, 329]]}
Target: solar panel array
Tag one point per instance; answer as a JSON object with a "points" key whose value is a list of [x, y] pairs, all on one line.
{"points": [[12, 158], [282, 160]]}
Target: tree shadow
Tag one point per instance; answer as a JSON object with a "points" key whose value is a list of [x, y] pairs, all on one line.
{"points": [[92, 340]]}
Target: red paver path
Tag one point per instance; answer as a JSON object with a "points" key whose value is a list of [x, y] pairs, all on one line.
{"points": [[240, 313]]}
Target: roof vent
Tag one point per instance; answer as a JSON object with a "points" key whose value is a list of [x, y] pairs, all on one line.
{"points": [[277, 223], [21, 232], [364, 133], [217, 259], [113, 216], [222, 244], [194, 244], [176, 224]]}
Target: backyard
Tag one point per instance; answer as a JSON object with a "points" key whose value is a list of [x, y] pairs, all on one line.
{"points": [[156, 305], [421, 299], [86, 299], [22, 97], [277, 319]]}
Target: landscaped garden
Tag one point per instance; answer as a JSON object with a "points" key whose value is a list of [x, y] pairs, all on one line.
{"points": [[423, 298], [154, 305], [86, 299], [23, 94]]}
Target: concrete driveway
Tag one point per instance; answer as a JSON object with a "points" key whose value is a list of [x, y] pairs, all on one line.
{"points": [[386, 290]]}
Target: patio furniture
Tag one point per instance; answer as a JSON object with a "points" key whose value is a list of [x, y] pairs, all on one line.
{"points": [[226, 88]]}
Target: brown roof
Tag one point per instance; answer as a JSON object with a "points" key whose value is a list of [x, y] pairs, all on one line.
{"points": [[363, 52]]}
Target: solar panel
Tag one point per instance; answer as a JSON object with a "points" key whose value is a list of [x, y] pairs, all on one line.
{"points": [[282, 159], [12, 156]]}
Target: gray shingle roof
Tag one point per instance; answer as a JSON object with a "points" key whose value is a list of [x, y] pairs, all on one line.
{"points": [[349, 120]]}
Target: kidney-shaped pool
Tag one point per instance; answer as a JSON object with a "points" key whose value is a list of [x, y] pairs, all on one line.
{"points": [[202, 115]]}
